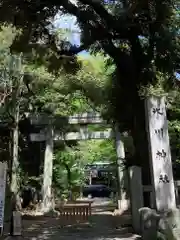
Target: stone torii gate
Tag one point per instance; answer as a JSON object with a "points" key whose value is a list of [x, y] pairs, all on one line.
{"points": [[49, 136]]}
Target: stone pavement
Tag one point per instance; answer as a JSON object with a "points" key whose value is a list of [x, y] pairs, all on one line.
{"points": [[103, 226]]}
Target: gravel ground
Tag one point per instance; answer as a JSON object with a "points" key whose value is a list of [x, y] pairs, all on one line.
{"points": [[102, 226]]}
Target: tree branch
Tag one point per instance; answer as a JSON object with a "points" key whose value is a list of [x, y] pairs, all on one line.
{"points": [[80, 14], [118, 25], [102, 12], [121, 58]]}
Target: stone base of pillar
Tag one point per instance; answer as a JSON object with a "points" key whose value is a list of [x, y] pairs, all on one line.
{"points": [[124, 205], [136, 194], [45, 209], [164, 225], [47, 206]]}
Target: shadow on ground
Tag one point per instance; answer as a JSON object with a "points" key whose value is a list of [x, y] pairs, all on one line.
{"points": [[101, 226]]}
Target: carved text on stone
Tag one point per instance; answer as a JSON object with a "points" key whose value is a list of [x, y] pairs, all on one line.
{"points": [[159, 132], [157, 110], [161, 154], [163, 178]]}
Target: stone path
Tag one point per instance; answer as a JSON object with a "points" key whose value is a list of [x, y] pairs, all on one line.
{"points": [[103, 226]]}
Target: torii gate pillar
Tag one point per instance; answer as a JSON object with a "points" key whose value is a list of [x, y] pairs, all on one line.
{"points": [[123, 194], [48, 171]]}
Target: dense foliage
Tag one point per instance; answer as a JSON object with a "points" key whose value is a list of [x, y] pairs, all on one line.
{"points": [[140, 44], [62, 94]]}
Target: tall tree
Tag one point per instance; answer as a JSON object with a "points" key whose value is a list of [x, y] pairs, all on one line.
{"points": [[142, 40], [141, 37]]}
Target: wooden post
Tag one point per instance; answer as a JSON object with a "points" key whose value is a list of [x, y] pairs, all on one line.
{"points": [[3, 172], [17, 224], [48, 171], [123, 202]]}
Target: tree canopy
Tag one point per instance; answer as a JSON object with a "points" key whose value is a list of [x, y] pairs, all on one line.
{"points": [[108, 24], [140, 44]]}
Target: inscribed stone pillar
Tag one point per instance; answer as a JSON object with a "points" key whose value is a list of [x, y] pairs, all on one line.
{"points": [[48, 171], [123, 198], [136, 193], [160, 155]]}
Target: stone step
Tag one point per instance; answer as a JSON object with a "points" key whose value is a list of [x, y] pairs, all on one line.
{"points": [[129, 236], [124, 230]]}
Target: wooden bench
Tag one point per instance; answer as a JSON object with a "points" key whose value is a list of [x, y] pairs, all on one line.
{"points": [[74, 212]]}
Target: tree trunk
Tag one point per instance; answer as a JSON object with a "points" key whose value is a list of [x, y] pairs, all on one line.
{"points": [[140, 140], [16, 67], [130, 110], [16, 202], [15, 162]]}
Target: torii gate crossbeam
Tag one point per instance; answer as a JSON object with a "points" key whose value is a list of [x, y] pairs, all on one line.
{"points": [[49, 136]]}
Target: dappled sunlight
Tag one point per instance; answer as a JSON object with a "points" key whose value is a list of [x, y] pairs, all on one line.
{"points": [[102, 225]]}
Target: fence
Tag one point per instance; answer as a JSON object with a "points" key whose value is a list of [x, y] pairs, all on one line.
{"points": [[148, 188], [74, 212]]}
